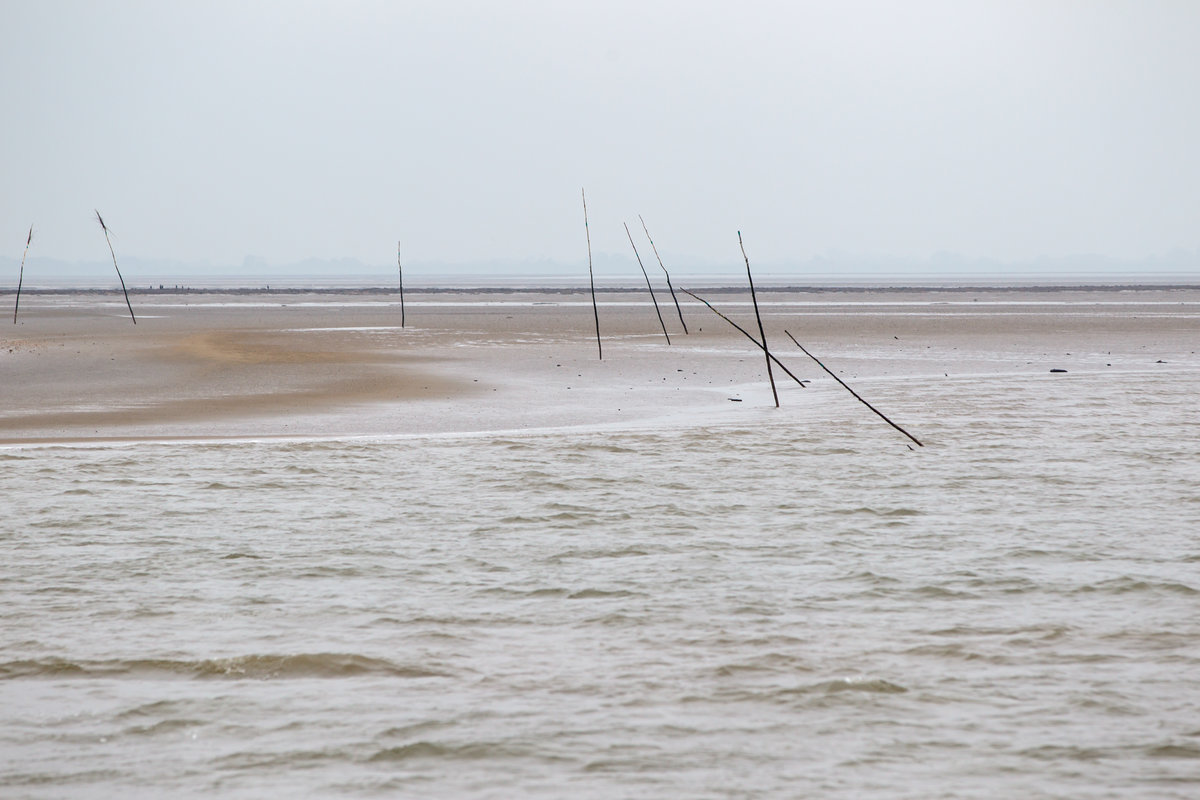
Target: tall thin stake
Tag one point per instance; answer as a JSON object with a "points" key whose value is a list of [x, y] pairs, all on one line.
{"points": [[748, 335], [851, 391], [762, 334], [591, 277], [21, 274], [678, 310], [648, 286], [400, 267], [100, 219]]}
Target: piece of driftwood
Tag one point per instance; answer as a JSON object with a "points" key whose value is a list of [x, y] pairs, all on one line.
{"points": [[648, 286], [761, 333], [100, 219], [678, 310], [748, 335], [21, 274], [851, 391], [591, 277]]}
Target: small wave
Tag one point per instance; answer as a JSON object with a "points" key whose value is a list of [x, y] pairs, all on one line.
{"points": [[256, 667], [616, 620], [954, 651], [880, 512], [941, 591], [94, 777], [1125, 585], [818, 693], [586, 594], [156, 708], [598, 447], [326, 571], [871, 577], [410, 751], [514, 445], [1058, 752], [869, 685], [165, 726], [1029, 552], [546, 591], [1174, 751], [622, 552], [425, 750], [405, 731], [768, 662], [288, 759]]}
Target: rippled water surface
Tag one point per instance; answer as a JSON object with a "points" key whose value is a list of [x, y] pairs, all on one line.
{"points": [[788, 604]]}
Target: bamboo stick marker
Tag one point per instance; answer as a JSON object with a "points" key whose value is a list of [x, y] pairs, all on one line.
{"points": [[749, 336], [400, 267], [678, 310], [21, 274], [591, 277], [100, 219], [648, 286], [851, 391], [761, 333]]}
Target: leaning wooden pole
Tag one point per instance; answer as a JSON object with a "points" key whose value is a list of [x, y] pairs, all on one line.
{"points": [[748, 335], [851, 391], [761, 333], [591, 277], [648, 286], [21, 274], [100, 219], [678, 310], [400, 267]]}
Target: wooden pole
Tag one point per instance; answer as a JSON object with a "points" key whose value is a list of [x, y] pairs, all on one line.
{"points": [[748, 335], [851, 391], [21, 274], [591, 277], [648, 286], [118, 269], [400, 267], [678, 310], [761, 333]]}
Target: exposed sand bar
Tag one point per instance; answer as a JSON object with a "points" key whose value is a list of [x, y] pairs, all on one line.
{"points": [[319, 364]]}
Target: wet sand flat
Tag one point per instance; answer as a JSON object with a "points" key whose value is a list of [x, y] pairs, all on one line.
{"points": [[320, 364]]}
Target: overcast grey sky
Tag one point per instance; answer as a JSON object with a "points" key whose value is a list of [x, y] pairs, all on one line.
{"points": [[209, 131]]}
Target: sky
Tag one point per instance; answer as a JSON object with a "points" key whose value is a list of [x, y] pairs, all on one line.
{"points": [[280, 131]]}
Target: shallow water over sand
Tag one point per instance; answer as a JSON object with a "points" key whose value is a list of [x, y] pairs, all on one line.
{"points": [[767, 603]]}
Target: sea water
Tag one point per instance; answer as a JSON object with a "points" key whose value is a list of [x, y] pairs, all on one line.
{"points": [[782, 604]]}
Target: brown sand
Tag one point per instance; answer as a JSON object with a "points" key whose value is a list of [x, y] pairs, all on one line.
{"points": [[262, 365]]}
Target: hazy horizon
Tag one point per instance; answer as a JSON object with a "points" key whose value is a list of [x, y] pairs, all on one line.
{"points": [[937, 135], [612, 270]]}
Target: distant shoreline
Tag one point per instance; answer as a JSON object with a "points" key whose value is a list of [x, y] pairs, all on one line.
{"points": [[559, 290]]}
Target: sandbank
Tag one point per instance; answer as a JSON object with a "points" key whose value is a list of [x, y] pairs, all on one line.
{"points": [[243, 365]]}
